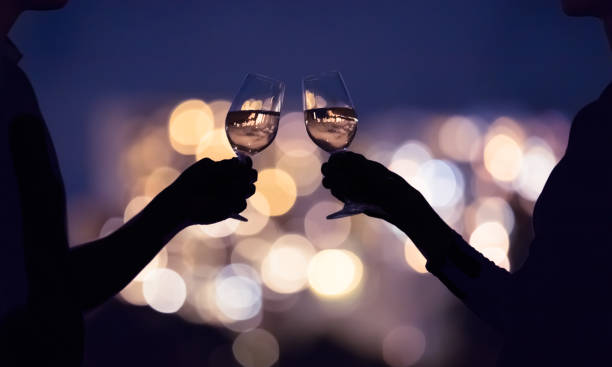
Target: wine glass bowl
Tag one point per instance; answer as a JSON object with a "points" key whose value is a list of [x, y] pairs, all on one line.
{"points": [[252, 121], [331, 120]]}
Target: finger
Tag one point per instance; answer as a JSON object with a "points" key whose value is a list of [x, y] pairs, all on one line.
{"points": [[246, 161], [252, 176], [325, 169], [240, 206], [251, 190], [338, 194]]}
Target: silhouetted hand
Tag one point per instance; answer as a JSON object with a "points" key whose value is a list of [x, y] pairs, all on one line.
{"points": [[352, 177], [208, 192]]}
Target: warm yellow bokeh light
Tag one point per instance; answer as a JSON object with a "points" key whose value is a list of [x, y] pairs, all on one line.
{"points": [[490, 234], [492, 209], [220, 108], [503, 157], [284, 269], [149, 151], [133, 295], [135, 206], [459, 138], [306, 170], [413, 257], [214, 145], [258, 218], [159, 179], [256, 348], [325, 233], [251, 250], [498, 256], [188, 123], [334, 273], [538, 162], [279, 190]]}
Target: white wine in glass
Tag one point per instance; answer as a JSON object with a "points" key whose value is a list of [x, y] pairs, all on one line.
{"points": [[252, 121], [331, 121]]}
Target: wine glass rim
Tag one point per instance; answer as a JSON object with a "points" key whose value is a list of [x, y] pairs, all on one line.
{"points": [[264, 77], [322, 74]]}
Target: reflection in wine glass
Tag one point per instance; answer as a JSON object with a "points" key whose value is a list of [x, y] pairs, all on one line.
{"points": [[252, 121], [331, 120]]}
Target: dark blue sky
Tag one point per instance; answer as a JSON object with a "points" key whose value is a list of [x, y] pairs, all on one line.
{"points": [[432, 54]]}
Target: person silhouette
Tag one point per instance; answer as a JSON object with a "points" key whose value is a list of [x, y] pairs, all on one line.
{"points": [[46, 286], [556, 309]]}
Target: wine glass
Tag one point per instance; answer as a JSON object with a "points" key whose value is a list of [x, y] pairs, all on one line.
{"points": [[331, 120], [252, 121]]}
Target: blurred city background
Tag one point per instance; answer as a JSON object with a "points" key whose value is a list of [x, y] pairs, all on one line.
{"points": [[470, 104]]}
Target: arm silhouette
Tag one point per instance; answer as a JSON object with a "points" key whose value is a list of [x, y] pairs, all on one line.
{"points": [[206, 192], [478, 282]]}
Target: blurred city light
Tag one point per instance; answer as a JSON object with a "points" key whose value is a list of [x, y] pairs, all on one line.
{"points": [[284, 269], [322, 232], [334, 273], [279, 190], [164, 290], [481, 175], [188, 123], [403, 346], [256, 348], [238, 292]]}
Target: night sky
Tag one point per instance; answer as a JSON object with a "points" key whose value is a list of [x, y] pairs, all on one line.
{"points": [[429, 54]]}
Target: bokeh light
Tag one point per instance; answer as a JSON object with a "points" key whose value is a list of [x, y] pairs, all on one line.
{"points": [[306, 171], [334, 273], [503, 157], [460, 138], [326, 233], [238, 292], [164, 290], [477, 175], [292, 138], [159, 261], [188, 123], [110, 226], [256, 348], [403, 346], [258, 218], [414, 258], [491, 235], [135, 206], [284, 269], [440, 182], [159, 179], [490, 209], [221, 229], [214, 145], [538, 161], [279, 190]]}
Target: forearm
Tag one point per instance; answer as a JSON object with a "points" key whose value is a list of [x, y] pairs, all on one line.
{"points": [[478, 282], [100, 269]]}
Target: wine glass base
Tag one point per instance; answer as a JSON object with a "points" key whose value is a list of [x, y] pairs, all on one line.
{"points": [[238, 217], [347, 211]]}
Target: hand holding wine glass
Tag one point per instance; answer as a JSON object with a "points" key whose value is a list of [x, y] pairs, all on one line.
{"points": [[252, 121], [331, 121]]}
